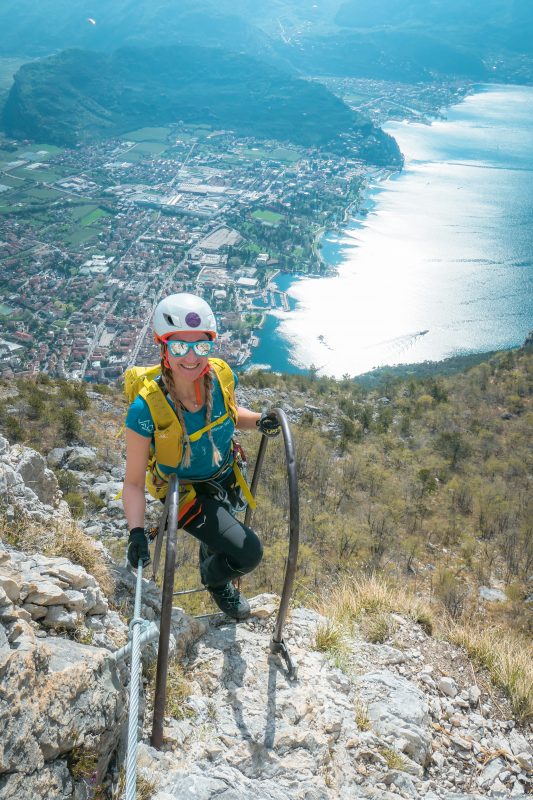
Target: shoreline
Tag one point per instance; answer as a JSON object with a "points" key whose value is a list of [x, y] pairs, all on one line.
{"points": [[331, 258]]}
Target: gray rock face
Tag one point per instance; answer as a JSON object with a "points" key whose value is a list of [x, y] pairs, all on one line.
{"points": [[492, 595], [50, 781], [79, 458], [54, 697], [53, 590], [397, 707], [35, 474], [248, 732], [29, 486], [75, 458], [55, 693]]}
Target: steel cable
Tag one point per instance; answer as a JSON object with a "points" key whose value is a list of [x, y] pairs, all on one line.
{"points": [[133, 712]]}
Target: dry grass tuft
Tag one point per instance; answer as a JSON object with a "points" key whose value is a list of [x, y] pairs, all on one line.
{"points": [[74, 544], [355, 597], [145, 789], [393, 758], [377, 628], [362, 718], [178, 689], [59, 539], [507, 657], [330, 639]]}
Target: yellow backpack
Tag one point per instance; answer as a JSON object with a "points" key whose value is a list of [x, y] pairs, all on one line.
{"points": [[168, 435]]}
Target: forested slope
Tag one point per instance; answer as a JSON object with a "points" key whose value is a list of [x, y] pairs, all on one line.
{"points": [[80, 95]]}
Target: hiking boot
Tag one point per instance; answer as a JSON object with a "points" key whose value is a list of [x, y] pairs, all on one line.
{"points": [[230, 600]]}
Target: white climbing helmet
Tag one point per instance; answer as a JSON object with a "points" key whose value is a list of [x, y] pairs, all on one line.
{"points": [[183, 312]]}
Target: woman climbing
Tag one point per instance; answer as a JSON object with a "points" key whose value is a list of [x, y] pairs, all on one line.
{"points": [[183, 421]]}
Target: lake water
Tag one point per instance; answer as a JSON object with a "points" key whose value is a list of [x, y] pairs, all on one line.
{"points": [[446, 248]]}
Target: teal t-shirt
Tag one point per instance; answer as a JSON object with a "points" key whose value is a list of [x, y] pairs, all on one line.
{"points": [[140, 420]]}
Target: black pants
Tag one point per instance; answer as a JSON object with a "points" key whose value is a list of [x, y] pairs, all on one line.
{"points": [[234, 548]]}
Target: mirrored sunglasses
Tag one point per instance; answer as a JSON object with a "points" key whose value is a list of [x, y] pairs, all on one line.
{"points": [[178, 348]]}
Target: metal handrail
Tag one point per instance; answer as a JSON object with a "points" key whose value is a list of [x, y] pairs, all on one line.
{"points": [[169, 522], [277, 644], [170, 519]]}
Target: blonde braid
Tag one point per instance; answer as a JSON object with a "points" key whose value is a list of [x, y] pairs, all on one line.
{"points": [[208, 387], [168, 379]]}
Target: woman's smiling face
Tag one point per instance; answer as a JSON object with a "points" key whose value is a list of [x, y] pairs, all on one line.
{"points": [[190, 366]]}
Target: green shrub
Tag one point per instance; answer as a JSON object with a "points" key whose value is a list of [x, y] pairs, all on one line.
{"points": [[76, 504], [68, 481]]}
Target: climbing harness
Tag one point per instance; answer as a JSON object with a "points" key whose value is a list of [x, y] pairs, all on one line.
{"points": [[156, 482]]}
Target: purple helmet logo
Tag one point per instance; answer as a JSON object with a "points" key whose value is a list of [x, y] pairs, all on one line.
{"points": [[192, 319]]}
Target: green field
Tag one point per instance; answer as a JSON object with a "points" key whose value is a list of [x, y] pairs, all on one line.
{"points": [[80, 236], [78, 212], [148, 148], [93, 216], [47, 175], [21, 173], [147, 135], [184, 137], [132, 156], [287, 154], [268, 216], [7, 180], [43, 193], [51, 148]]}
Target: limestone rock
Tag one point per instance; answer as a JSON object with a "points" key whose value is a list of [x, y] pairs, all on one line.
{"points": [[49, 781], [35, 474], [396, 706], [9, 585], [447, 686], [56, 695], [46, 593], [59, 618], [79, 458], [492, 595]]}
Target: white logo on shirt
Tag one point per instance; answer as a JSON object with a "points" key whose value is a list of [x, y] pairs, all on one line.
{"points": [[147, 425]]}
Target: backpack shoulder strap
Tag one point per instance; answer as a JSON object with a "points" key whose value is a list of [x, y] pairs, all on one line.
{"points": [[162, 414], [226, 380]]}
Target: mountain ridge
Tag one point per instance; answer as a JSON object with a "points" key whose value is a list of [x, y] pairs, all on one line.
{"points": [[81, 95], [498, 38]]}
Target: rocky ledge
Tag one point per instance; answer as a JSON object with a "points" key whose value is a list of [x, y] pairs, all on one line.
{"points": [[390, 724]]}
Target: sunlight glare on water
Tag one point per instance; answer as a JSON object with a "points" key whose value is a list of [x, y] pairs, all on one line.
{"points": [[446, 248]]}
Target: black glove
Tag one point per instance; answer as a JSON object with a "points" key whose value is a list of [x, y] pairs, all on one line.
{"points": [[269, 425], [138, 547]]}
